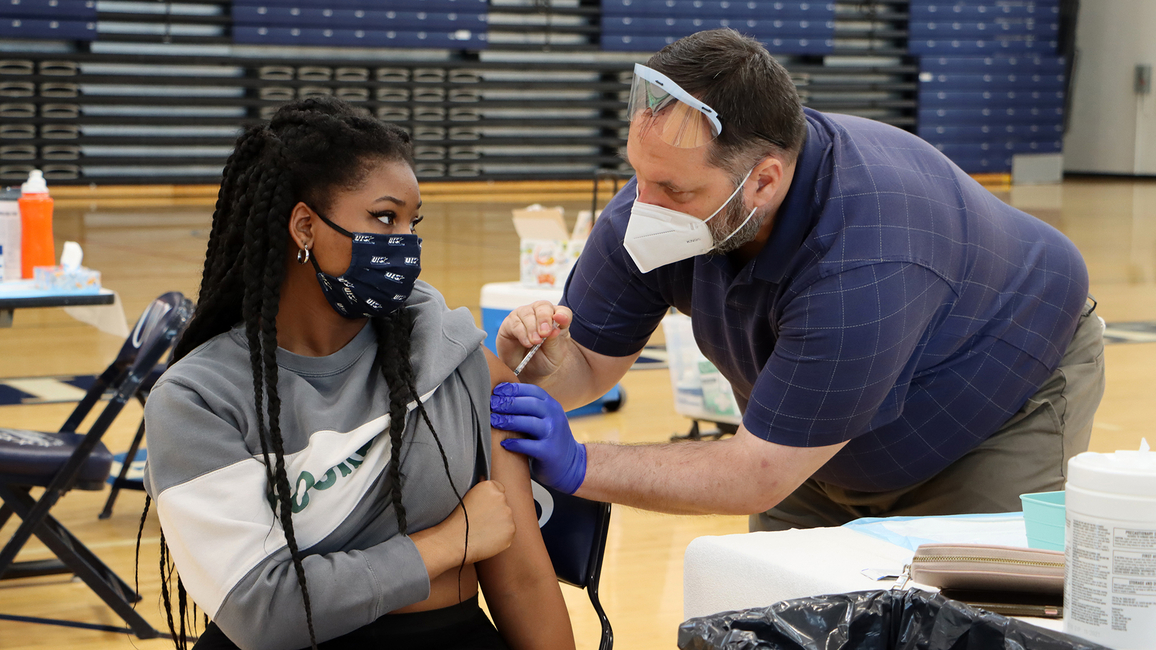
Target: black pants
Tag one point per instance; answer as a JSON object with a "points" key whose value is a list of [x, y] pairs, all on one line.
{"points": [[463, 626]]}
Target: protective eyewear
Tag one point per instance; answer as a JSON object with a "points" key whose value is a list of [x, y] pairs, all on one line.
{"points": [[660, 105]]}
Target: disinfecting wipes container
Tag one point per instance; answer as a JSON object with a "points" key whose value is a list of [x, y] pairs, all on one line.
{"points": [[1110, 575]]}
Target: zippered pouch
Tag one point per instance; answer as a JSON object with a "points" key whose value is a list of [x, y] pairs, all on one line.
{"points": [[989, 567], [1010, 603]]}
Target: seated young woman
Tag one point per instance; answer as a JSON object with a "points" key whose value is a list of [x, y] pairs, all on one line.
{"points": [[319, 450]]}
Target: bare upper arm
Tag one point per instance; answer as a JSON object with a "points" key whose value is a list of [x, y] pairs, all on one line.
{"points": [[512, 470], [499, 372], [606, 370]]}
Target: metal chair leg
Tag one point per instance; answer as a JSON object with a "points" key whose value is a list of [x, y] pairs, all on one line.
{"points": [[124, 468], [78, 559], [607, 641]]}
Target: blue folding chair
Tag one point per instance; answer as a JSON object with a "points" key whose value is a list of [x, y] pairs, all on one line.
{"points": [[68, 459], [129, 350], [574, 530]]}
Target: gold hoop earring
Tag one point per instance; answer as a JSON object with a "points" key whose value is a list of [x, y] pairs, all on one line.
{"points": [[303, 256]]}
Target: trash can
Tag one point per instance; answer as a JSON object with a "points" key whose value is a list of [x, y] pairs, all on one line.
{"points": [[870, 620]]}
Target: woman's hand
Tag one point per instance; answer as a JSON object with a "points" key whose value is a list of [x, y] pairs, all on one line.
{"points": [[491, 531], [491, 520]]}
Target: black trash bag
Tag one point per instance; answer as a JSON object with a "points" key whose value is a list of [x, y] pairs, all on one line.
{"points": [[870, 620]]}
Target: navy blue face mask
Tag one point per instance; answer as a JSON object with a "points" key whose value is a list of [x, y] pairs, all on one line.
{"points": [[382, 271]]}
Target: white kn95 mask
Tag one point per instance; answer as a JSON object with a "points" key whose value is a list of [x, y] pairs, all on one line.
{"points": [[657, 236]]}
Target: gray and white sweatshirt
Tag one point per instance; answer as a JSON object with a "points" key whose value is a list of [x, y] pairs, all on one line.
{"points": [[207, 476]]}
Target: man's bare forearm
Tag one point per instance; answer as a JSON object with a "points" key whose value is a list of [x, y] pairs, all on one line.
{"points": [[737, 476], [575, 382], [571, 381], [675, 478]]}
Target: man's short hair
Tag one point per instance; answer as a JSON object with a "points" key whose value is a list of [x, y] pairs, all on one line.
{"points": [[752, 93]]}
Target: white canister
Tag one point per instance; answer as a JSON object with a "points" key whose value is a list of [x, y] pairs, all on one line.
{"points": [[10, 232], [1110, 544]]}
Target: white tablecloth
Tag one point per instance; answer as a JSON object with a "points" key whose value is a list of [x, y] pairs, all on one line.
{"points": [[731, 572]]}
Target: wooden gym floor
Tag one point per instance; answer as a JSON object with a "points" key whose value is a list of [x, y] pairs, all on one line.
{"points": [[146, 241]]}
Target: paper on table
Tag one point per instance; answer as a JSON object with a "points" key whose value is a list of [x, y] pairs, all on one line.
{"points": [[106, 318], [1005, 529]]}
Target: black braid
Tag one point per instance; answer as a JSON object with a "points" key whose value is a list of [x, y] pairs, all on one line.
{"points": [[166, 593], [280, 203], [182, 607], [139, 531], [392, 348], [308, 150], [266, 231], [393, 357], [225, 244], [407, 376]]}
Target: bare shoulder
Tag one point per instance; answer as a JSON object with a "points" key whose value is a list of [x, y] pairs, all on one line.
{"points": [[502, 459], [499, 372]]}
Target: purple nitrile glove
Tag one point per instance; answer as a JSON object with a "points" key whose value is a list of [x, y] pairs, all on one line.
{"points": [[555, 458]]}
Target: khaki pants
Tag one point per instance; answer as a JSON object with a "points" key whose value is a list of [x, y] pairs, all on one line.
{"points": [[1029, 453]]}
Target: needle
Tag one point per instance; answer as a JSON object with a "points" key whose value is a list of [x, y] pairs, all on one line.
{"points": [[530, 355], [526, 359]]}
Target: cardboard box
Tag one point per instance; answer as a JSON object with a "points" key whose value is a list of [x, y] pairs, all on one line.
{"points": [[548, 250]]}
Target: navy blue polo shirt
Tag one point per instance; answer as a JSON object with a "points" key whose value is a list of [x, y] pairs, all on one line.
{"points": [[897, 305]]}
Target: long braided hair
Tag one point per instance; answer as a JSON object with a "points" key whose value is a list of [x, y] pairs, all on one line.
{"points": [[309, 149]]}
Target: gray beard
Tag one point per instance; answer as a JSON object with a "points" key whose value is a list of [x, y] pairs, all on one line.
{"points": [[727, 221]]}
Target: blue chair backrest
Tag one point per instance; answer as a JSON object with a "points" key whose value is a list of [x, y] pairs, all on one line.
{"points": [[163, 320], [146, 325], [574, 530], [160, 324]]}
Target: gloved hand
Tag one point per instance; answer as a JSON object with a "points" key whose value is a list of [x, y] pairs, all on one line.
{"points": [[556, 459]]}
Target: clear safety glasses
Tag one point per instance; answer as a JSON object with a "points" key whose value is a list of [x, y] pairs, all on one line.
{"points": [[659, 104]]}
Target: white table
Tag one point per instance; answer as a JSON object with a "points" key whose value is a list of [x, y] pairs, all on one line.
{"points": [[732, 572]]}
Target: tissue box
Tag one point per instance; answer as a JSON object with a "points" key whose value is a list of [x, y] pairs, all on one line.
{"points": [[548, 251], [59, 279]]}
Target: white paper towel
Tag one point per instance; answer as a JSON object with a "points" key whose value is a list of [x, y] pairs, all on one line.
{"points": [[106, 318], [72, 256]]}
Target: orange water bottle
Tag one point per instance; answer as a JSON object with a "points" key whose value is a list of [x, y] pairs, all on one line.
{"points": [[37, 247]]}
